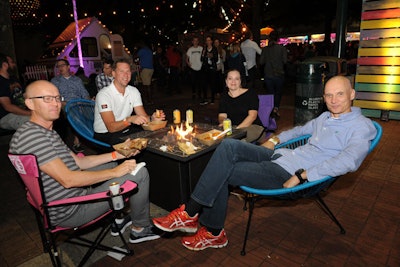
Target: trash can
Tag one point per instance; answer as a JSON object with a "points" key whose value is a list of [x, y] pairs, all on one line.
{"points": [[309, 102]]}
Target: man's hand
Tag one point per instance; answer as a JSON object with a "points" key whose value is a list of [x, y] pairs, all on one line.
{"points": [[125, 167], [138, 119], [158, 115], [293, 181]]}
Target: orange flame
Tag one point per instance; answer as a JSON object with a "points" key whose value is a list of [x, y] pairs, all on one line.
{"points": [[184, 133]]}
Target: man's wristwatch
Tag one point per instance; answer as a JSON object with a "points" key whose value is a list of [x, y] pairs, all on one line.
{"points": [[298, 174], [274, 140]]}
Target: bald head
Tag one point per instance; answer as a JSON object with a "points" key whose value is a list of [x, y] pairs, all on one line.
{"points": [[41, 87], [338, 95], [45, 110], [339, 81]]}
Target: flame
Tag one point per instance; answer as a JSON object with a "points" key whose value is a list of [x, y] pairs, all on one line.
{"points": [[184, 133]]}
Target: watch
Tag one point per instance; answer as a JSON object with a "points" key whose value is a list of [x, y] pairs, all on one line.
{"points": [[274, 140], [298, 174]]}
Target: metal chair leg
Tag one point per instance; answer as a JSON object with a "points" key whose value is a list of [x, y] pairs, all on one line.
{"points": [[251, 202], [325, 207]]}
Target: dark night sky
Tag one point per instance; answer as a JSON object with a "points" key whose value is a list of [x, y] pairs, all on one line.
{"points": [[159, 18], [154, 20]]}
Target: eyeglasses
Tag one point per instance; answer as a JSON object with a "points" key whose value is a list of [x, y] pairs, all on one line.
{"points": [[49, 98], [61, 65]]}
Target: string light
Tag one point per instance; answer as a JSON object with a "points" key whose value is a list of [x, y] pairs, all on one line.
{"points": [[230, 12], [23, 12]]}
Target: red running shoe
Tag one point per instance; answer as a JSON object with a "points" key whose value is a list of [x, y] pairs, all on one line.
{"points": [[204, 239], [177, 219]]}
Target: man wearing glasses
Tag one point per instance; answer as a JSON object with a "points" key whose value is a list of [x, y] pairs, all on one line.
{"points": [[65, 175], [70, 87], [11, 115]]}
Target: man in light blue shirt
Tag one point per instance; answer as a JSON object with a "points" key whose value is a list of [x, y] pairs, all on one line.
{"points": [[70, 87], [340, 140]]}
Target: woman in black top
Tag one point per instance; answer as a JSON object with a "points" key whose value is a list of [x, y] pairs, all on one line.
{"points": [[241, 106]]}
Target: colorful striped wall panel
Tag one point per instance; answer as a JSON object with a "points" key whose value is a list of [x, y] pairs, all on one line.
{"points": [[377, 80]]}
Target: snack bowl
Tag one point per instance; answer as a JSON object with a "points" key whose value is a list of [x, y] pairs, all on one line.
{"points": [[207, 137], [130, 146], [154, 125]]}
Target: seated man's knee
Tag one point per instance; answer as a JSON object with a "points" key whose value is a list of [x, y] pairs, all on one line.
{"points": [[142, 176]]}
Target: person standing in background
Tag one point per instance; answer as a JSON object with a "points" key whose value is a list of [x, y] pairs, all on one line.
{"points": [[236, 61], [250, 49], [209, 58], [174, 60], [160, 68], [146, 71], [193, 60], [220, 66], [274, 58]]}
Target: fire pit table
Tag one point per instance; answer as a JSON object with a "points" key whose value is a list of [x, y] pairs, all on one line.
{"points": [[173, 173]]}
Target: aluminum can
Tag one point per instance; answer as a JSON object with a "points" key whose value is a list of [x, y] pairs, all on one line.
{"points": [[189, 116], [177, 116], [227, 124]]}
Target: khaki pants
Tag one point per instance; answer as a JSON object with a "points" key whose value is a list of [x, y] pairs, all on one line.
{"points": [[253, 133]]}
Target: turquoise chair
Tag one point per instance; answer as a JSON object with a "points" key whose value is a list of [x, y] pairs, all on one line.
{"points": [[80, 114], [305, 190]]}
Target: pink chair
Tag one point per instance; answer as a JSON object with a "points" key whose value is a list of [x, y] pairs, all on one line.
{"points": [[28, 170]]}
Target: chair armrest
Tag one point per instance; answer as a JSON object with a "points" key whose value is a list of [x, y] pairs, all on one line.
{"points": [[305, 189], [295, 142], [125, 188]]}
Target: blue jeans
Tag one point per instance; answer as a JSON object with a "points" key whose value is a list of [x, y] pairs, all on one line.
{"points": [[275, 87], [234, 163]]}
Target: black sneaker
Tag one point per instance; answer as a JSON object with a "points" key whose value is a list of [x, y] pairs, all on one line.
{"points": [[148, 233], [126, 222]]}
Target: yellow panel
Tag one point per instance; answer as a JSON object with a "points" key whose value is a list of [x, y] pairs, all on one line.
{"points": [[394, 70], [371, 52], [377, 105], [378, 79], [380, 24]]}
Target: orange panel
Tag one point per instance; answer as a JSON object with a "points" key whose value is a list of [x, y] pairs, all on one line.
{"points": [[389, 61], [381, 14]]}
